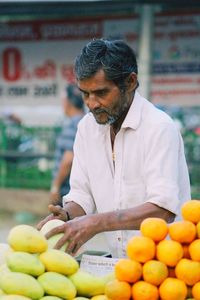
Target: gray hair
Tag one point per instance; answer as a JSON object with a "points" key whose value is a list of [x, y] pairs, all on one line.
{"points": [[115, 58]]}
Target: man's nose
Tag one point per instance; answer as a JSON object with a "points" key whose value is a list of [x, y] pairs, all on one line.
{"points": [[92, 102]]}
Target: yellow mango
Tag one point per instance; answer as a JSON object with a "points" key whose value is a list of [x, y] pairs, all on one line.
{"points": [[56, 284], [25, 262], [27, 238], [51, 298], [87, 284], [58, 261], [21, 284], [53, 239], [14, 297]]}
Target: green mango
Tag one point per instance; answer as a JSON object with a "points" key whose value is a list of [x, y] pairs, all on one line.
{"points": [[51, 298], [21, 284], [25, 262], [52, 241], [87, 284], [14, 297], [55, 284]]}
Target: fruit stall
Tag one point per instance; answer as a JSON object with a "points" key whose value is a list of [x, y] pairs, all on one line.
{"points": [[162, 262]]}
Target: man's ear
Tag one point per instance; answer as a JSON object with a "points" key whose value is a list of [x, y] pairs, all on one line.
{"points": [[132, 82]]}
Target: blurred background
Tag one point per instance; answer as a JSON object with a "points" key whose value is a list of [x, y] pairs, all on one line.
{"points": [[38, 44]]}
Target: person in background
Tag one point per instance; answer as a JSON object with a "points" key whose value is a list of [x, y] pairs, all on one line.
{"points": [[129, 161], [73, 108], [9, 117]]}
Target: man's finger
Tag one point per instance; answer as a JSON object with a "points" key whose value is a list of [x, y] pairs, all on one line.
{"points": [[58, 212], [62, 241], [56, 230], [55, 209], [72, 248], [41, 223]]}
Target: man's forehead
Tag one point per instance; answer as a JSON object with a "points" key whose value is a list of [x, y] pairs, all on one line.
{"points": [[97, 82]]}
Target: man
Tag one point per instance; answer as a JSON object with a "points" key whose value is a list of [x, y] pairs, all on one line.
{"points": [[73, 108], [129, 161]]}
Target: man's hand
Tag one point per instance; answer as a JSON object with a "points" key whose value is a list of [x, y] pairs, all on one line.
{"points": [[76, 232], [54, 197], [57, 212]]}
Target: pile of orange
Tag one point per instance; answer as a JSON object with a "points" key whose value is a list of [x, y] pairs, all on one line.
{"points": [[163, 261]]}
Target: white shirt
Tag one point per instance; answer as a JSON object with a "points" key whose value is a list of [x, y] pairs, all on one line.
{"points": [[149, 166]]}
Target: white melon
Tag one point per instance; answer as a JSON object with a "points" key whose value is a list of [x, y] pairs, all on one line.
{"points": [[53, 240]]}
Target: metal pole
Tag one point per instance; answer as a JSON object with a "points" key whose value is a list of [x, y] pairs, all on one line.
{"points": [[145, 52]]}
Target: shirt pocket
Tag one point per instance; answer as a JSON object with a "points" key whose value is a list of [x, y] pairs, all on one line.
{"points": [[133, 193]]}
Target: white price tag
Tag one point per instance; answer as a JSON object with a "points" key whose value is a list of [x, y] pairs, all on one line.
{"points": [[97, 265]]}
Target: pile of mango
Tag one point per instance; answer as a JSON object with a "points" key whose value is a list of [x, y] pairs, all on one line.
{"points": [[32, 269]]}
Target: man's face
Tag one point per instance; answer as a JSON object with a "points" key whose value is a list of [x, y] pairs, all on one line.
{"points": [[103, 98]]}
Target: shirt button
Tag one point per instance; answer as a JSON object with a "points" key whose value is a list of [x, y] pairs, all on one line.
{"points": [[119, 239]]}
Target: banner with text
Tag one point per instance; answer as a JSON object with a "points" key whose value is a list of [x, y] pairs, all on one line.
{"points": [[37, 57]]}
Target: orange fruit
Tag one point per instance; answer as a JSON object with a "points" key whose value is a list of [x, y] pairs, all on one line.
{"points": [[169, 252], [196, 291], [190, 211], [186, 253], [143, 290], [188, 271], [118, 290], [173, 289], [154, 228], [182, 231], [141, 248], [198, 229], [194, 250], [128, 270], [155, 272]]}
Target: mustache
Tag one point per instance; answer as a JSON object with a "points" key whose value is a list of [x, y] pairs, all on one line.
{"points": [[99, 111]]}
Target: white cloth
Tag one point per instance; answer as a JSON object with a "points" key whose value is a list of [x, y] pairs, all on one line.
{"points": [[150, 166]]}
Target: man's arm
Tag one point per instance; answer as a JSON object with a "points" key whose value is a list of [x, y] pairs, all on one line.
{"points": [[63, 172], [130, 219], [79, 230]]}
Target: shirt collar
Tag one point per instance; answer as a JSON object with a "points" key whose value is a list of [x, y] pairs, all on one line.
{"points": [[134, 114]]}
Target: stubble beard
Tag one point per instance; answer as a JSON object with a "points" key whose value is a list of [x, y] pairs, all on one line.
{"points": [[114, 113]]}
